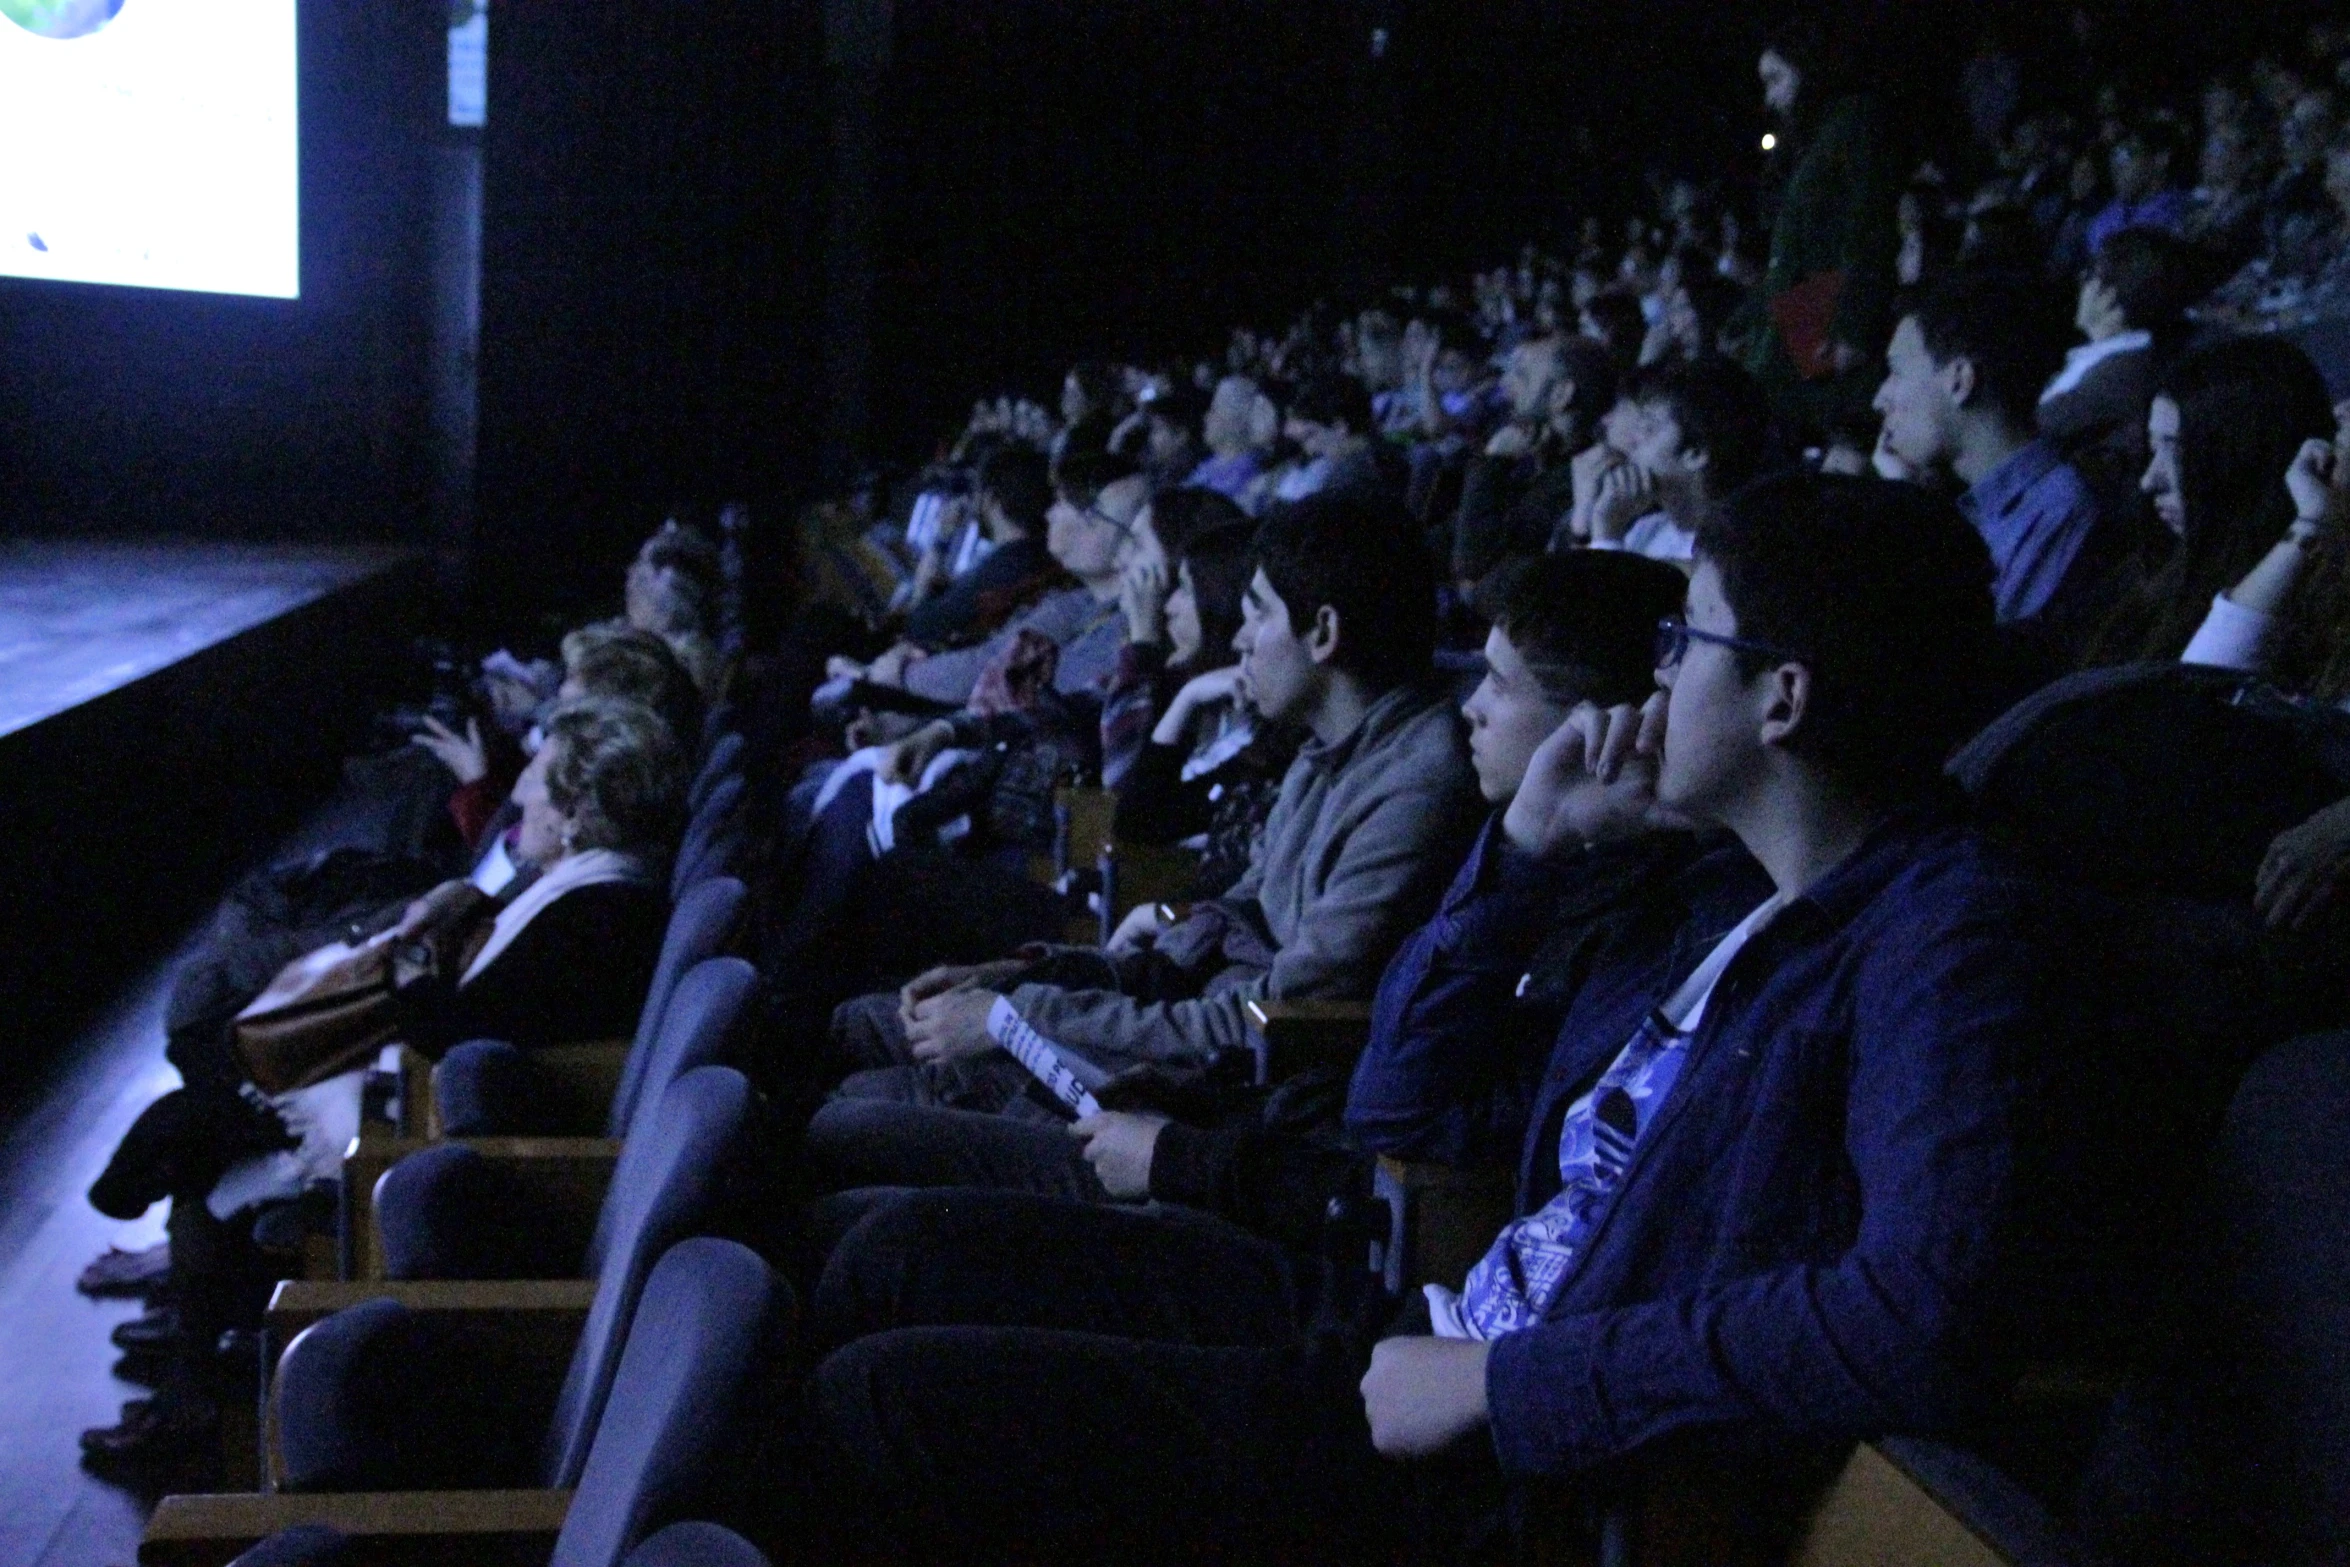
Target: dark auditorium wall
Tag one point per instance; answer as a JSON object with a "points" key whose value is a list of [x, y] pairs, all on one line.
{"points": [[129, 411], [651, 206]]}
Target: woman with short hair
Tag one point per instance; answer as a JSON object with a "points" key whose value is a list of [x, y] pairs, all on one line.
{"points": [[564, 953]]}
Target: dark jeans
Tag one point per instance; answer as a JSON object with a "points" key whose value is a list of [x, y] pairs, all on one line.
{"points": [[878, 1142], [1135, 1388], [974, 1258]]}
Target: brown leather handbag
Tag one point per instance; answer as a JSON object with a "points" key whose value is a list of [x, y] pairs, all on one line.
{"points": [[328, 1012]]}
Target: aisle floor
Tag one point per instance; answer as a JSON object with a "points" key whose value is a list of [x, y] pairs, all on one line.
{"points": [[56, 1362]]}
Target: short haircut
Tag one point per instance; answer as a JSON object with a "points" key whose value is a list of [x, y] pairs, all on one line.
{"points": [[1333, 400], [1593, 371], [623, 662], [1622, 325], [1585, 621], [1084, 475], [1020, 481], [1181, 406], [1721, 411], [2004, 325], [679, 604], [1881, 590], [1361, 556], [2160, 136], [2154, 276], [688, 551], [616, 769]]}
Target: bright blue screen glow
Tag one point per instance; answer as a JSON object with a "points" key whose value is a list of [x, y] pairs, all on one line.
{"points": [[150, 143]]}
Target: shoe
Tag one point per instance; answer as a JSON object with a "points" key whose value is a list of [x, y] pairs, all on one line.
{"points": [[118, 1272], [156, 1333], [152, 1430]]}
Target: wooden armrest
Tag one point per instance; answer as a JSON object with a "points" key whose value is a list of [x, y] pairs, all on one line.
{"points": [[1293, 1037], [551, 1305], [1084, 823], [1446, 1219], [1876, 1512], [564, 1177], [1138, 873], [426, 1528]]}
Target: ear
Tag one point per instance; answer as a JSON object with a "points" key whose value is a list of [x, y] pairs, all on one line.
{"points": [[1321, 638], [1786, 699], [1958, 378], [1694, 460]]}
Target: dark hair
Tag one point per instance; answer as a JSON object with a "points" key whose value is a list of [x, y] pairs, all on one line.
{"points": [[1585, 620], [2245, 406], [1019, 480], [1184, 512], [1713, 299], [2154, 276], [1721, 411], [1221, 559], [1881, 590], [1822, 56], [1181, 406], [1333, 400], [1453, 330], [1100, 383], [1083, 476], [2161, 136], [1361, 556], [2000, 239], [624, 662], [2002, 323], [1592, 370], [1622, 325]]}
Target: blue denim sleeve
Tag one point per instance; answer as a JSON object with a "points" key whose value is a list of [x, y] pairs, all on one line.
{"points": [[1433, 1083], [1891, 1335]]}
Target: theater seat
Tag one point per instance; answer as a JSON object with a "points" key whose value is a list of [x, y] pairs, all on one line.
{"points": [[562, 1181], [695, 1545], [457, 1211], [2231, 1443], [322, 1411], [714, 839], [712, 1314], [724, 761], [489, 1088]]}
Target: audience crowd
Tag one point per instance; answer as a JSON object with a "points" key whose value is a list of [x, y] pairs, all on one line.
{"points": [[1778, 766]]}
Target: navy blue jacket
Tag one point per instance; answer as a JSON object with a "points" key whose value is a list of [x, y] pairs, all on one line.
{"points": [[1814, 1239]]}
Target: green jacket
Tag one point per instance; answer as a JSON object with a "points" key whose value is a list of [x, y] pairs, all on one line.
{"points": [[1837, 214]]}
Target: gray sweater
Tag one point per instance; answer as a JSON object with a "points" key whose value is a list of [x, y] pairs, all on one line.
{"points": [[1359, 847]]}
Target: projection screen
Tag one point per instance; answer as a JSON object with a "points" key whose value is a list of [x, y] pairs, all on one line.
{"points": [[150, 143]]}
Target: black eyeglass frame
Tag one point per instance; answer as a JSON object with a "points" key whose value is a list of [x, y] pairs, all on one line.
{"points": [[1673, 636]]}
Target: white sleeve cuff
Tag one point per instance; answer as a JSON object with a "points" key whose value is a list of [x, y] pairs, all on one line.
{"points": [[2231, 637]]}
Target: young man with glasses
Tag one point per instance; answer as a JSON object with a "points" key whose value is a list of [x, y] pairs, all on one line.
{"points": [[1768, 1175]]}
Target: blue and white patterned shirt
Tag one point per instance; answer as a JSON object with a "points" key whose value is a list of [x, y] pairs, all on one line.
{"points": [[1532, 1257]]}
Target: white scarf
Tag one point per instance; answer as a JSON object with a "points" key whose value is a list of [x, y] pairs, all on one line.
{"points": [[588, 868]]}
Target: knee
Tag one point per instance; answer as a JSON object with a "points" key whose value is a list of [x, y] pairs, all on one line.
{"points": [[849, 1140], [866, 1033]]}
